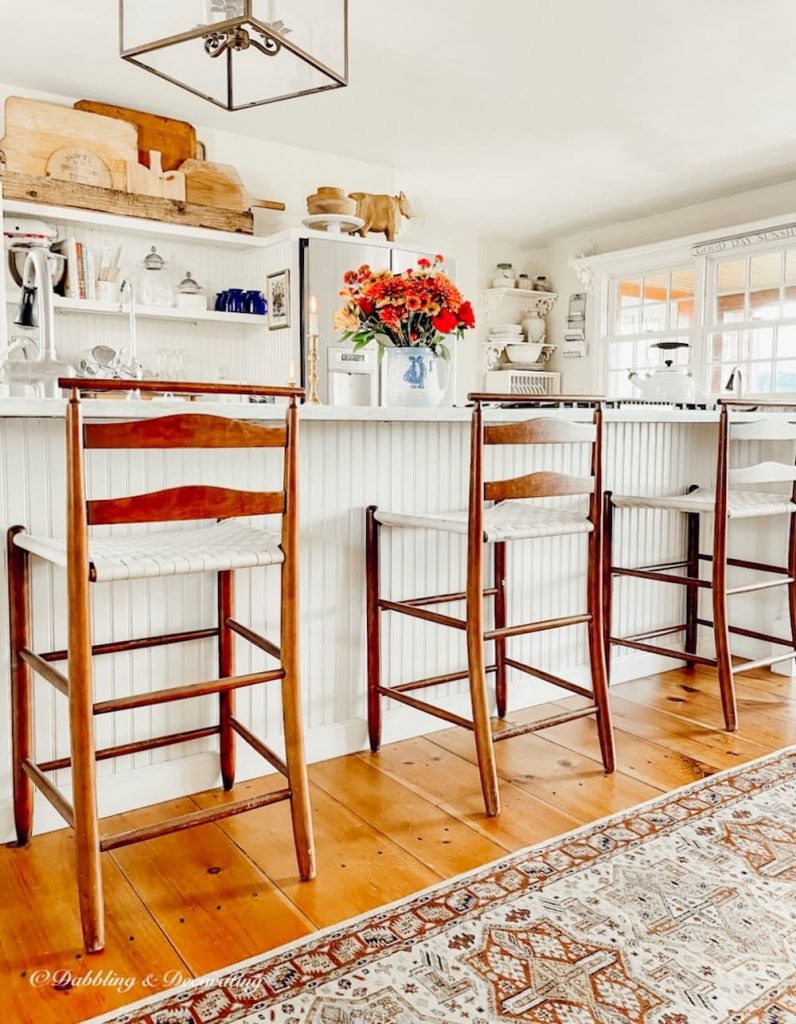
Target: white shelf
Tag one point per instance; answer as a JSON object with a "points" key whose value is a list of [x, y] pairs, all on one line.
{"points": [[84, 307], [135, 225], [520, 293]]}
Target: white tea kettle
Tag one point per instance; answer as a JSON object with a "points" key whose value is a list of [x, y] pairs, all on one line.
{"points": [[668, 383]]}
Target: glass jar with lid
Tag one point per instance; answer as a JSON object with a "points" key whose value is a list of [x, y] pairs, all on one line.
{"points": [[190, 294], [504, 276], [154, 283]]}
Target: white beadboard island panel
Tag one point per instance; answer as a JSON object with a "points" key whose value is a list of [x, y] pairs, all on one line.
{"points": [[349, 459]]}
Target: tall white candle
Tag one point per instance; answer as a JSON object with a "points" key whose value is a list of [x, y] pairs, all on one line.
{"points": [[313, 315]]}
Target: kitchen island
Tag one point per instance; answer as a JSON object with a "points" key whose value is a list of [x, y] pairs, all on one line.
{"points": [[407, 460]]}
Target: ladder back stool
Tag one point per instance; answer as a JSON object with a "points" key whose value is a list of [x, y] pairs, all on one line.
{"points": [[500, 512], [727, 501], [220, 547]]}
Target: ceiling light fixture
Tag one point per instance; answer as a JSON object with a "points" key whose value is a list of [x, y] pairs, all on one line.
{"points": [[222, 55]]}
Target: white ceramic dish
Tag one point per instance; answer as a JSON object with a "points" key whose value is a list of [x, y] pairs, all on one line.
{"points": [[528, 352]]}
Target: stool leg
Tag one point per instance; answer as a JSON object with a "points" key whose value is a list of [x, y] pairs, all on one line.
{"points": [[599, 671], [291, 712], [607, 577], [792, 574], [501, 688], [226, 667], [692, 593], [720, 626], [84, 776], [373, 626], [21, 704], [484, 746]]}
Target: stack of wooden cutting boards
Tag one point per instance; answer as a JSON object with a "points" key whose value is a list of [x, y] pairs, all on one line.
{"points": [[103, 157]]}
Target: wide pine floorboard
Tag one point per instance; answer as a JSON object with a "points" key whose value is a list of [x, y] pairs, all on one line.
{"points": [[386, 826]]}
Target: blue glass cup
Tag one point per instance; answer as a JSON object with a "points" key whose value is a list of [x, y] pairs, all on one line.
{"points": [[236, 300]]}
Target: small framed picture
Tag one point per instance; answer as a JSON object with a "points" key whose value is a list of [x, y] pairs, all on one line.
{"points": [[278, 294]]}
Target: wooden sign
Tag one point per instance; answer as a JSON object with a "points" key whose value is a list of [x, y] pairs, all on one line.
{"points": [[35, 130], [71, 163]]}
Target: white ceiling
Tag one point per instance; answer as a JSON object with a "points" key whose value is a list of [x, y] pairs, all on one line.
{"points": [[528, 117]]}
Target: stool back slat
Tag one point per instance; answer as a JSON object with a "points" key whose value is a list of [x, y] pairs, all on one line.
{"points": [[762, 473], [542, 430], [184, 430], [178, 504], [543, 484], [768, 429]]}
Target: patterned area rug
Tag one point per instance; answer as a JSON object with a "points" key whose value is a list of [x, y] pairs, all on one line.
{"points": [[680, 911]]}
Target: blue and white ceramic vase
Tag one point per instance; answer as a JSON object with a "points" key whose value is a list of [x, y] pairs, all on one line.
{"points": [[412, 378]]}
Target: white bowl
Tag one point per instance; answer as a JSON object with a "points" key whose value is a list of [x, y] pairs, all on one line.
{"points": [[528, 352]]}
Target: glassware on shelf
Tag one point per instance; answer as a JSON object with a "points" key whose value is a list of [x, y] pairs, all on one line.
{"points": [[154, 284], [190, 294], [504, 276]]}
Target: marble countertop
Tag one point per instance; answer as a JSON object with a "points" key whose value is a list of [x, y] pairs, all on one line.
{"points": [[53, 408]]}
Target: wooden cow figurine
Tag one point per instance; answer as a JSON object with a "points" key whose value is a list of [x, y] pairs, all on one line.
{"points": [[381, 213]]}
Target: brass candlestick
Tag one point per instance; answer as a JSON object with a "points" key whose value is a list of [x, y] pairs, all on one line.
{"points": [[312, 372]]}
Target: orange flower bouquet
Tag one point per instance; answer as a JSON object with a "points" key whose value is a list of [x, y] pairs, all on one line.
{"points": [[420, 307]]}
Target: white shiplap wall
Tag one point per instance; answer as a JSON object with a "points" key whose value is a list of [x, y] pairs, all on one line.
{"points": [[344, 467]]}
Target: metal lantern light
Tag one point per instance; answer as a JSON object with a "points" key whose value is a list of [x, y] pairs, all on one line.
{"points": [[239, 53]]}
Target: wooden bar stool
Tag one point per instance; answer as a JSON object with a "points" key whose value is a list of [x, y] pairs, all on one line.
{"points": [[728, 501], [220, 547], [509, 518]]}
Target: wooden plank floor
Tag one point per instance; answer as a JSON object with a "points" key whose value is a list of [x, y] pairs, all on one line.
{"points": [[386, 826]]}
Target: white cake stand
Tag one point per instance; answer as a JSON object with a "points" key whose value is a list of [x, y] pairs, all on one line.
{"points": [[333, 223]]}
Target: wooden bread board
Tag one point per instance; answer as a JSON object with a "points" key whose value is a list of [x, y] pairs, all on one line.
{"points": [[52, 192], [174, 140], [219, 185], [34, 130]]}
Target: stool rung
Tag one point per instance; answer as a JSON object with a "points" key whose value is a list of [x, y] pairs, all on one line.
{"points": [[53, 794], [548, 677], [419, 602], [743, 563], [255, 639], [122, 646], [650, 634], [660, 577], [420, 613], [144, 700], [546, 723], [751, 633], [421, 705], [257, 744], [125, 749], [200, 817], [448, 677], [535, 627], [749, 588], [747, 666], [666, 652], [46, 671]]}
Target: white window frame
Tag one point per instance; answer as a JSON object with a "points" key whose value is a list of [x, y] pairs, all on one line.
{"points": [[693, 334], [604, 270]]}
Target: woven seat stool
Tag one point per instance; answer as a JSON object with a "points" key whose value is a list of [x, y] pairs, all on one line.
{"points": [[220, 546], [727, 501], [510, 518]]}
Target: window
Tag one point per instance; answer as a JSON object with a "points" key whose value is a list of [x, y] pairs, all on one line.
{"points": [[751, 321], [732, 302], [643, 311]]}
